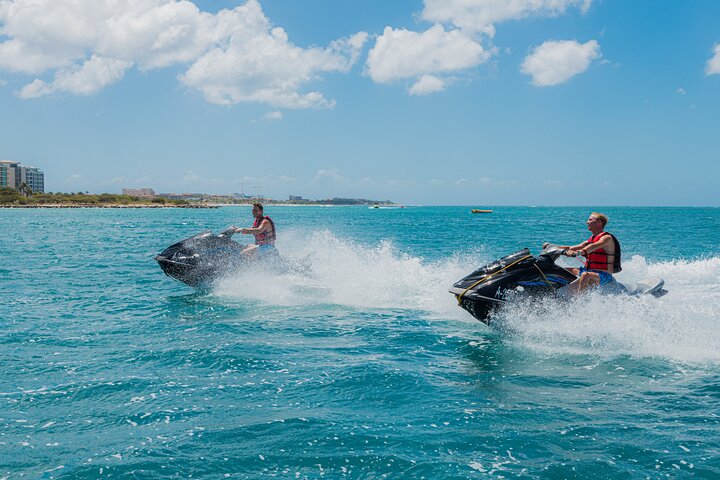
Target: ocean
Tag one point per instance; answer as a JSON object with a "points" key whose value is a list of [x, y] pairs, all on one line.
{"points": [[365, 368]]}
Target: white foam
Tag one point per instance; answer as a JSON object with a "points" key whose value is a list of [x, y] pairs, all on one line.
{"points": [[684, 325], [345, 272]]}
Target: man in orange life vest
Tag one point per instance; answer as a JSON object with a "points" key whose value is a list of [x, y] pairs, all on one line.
{"points": [[602, 251], [264, 231]]}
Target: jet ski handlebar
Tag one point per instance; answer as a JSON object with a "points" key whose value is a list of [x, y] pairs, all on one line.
{"points": [[552, 251], [228, 232]]}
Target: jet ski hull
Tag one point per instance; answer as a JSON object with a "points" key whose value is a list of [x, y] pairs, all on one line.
{"points": [[200, 260]]}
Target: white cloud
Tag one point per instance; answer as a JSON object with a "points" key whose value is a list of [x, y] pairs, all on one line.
{"points": [[191, 178], [233, 55], [329, 176], [271, 116], [482, 15], [268, 69], [127, 182], [74, 180], [680, 91], [403, 54], [427, 84], [713, 65], [118, 180], [555, 62], [86, 79], [453, 43]]}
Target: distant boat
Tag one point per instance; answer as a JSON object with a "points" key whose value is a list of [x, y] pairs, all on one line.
{"points": [[387, 206], [475, 210]]}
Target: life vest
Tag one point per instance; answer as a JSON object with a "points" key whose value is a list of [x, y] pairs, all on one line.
{"points": [[598, 260], [264, 238]]}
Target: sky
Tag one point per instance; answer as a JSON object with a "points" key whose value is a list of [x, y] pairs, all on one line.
{"points": [[434, 102]]}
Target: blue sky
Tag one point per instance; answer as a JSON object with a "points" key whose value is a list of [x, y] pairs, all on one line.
{"points": [[473, 102]]}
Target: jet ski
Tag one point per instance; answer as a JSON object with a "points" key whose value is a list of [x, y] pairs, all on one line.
{"points": [[200, 260], [490, 287]]}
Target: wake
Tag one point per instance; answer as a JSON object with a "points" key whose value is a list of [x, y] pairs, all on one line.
{"points": [[683, 325]]}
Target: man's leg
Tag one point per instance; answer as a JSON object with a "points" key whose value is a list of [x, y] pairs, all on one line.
{"points": [[586, 280]]}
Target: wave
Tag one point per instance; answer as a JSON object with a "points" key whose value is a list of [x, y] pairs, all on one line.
{"points": [[347, 273], [683, 325]]}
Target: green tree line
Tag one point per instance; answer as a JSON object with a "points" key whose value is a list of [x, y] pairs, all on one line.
{"points": [[8, 196]]}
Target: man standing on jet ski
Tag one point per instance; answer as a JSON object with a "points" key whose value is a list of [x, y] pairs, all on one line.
{"points": [[602, 251], [264, 231]]}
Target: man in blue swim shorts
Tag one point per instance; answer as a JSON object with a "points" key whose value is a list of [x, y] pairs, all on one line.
{"points": [[602, 253]]}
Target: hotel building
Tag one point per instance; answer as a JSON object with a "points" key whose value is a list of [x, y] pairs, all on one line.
{"points": [[13, 175]]}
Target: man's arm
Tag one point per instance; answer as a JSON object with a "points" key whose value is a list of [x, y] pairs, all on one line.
{"points": [[574, 247], [263, 227], [605, 242]]}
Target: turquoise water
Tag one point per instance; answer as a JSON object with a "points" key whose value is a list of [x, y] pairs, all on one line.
{"points": [[366, 368]]}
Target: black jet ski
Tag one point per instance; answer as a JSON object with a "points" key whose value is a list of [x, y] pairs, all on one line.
{"points": [[489, 287], [200, 260]]}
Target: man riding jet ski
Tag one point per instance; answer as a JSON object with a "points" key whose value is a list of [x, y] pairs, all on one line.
{"points": [[489, 287]]}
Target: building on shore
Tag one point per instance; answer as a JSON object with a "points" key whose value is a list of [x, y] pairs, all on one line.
{"points": [[18, 177], [190, 197], [295, 198], [139, 192]]}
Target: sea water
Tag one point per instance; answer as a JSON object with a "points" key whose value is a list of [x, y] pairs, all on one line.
{"points": [[363, 366]]}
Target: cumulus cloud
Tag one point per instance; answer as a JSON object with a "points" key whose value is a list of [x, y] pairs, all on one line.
{"points": [[427, 84], [329, 176], [482, 15], [455, 41], [555, 62], [231, 56], [403, 54], [86, 79], [713, 65]]}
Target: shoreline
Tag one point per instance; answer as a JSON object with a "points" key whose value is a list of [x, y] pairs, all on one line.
{"points": [[90, 205]]}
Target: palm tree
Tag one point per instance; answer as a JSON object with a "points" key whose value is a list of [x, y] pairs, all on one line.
{"points": [[25, 190]]}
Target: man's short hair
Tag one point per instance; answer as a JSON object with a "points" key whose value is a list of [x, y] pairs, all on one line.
{"points": [[259, 205], [600, 216]]}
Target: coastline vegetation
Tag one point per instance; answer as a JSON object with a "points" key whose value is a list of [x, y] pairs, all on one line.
{"points": [[10, 197], [13, 198]]}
